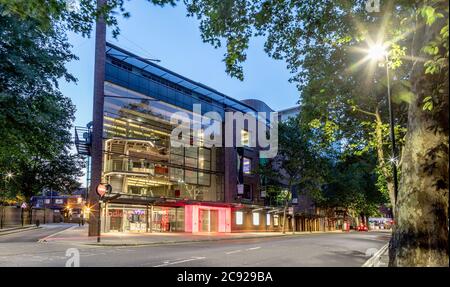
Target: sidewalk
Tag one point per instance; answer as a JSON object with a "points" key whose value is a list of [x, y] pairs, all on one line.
{"points": [[78, 235], [380, 258]]}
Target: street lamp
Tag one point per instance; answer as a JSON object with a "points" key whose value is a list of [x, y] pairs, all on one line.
{"points": [[378, 52]]}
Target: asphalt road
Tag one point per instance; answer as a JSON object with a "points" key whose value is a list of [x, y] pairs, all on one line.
{"points": [[336, 249], [33, 235]]}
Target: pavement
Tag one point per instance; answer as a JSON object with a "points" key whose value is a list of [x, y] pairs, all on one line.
{"points": [[63, 242]]}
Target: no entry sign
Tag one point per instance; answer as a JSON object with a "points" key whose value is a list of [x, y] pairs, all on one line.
{"points": [[101, 190]]}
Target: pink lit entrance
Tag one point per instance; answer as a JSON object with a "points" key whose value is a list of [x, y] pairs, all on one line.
{"points": [[199, 218]]}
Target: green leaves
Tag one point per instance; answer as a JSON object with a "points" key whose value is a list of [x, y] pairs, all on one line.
{"points": [[35, 118], [428, 103], [430, 15]]}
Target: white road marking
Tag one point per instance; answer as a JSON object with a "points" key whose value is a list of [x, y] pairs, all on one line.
{"points": [[253, 248], [235, 251], [166, 263]]}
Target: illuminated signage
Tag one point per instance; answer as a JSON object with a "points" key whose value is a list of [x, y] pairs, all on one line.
{"points": [[247, 165]]}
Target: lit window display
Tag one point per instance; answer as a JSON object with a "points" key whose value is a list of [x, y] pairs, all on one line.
{"points": [[239, 218], [268, 219], [275, 220], [255, 218]]}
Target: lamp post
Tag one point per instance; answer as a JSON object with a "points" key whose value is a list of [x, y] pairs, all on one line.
{"points": [[377, 52]]}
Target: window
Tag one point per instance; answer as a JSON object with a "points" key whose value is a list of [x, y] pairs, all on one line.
{"points": [[204, 178], [239, 218], [247, 165], [275, 220], [255, 218], [245, 138], [247, 191], [268, 219], [191, 176]]}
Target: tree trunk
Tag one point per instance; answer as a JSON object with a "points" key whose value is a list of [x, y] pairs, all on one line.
{"points": [[420, 236], [284, 217]]}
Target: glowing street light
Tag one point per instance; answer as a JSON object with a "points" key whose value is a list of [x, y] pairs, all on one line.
{"points": [[378, 52]]}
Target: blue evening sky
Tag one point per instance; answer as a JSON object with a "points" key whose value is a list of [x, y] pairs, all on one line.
{"points": [[167, 34]]}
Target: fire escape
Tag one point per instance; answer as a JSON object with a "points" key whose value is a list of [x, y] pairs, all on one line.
{"points": [[83, 143]]}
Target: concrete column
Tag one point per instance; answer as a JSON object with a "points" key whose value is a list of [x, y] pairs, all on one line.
{"points": [[97, 117]]}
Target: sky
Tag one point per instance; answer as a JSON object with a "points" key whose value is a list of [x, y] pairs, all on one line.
{"points": [[165, 33]]}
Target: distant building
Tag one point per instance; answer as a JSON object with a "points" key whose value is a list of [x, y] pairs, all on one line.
{"points": [[59, 207], [285, 114]]}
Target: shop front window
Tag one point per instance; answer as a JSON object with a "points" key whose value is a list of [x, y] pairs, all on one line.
{"points": [[255, 218], [135, 220], [275, 220], [239, 217]]}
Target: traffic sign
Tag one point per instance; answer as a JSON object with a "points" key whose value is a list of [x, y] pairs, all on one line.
{"points": [[101, 190], [24, 205]]}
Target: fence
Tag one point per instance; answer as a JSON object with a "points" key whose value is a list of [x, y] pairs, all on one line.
{"points": [[12, 216]]}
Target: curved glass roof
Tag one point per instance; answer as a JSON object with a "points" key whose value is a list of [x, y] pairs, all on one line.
{"points": [[147, 65]]}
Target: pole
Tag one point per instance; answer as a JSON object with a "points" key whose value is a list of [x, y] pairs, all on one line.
{"points": [[97, 121], [99, 221], [3, 208], [391, 123], [44, 203]]}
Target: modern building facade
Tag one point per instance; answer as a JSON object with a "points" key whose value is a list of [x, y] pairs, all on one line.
{"points": [[288, 113], [166, 188]]}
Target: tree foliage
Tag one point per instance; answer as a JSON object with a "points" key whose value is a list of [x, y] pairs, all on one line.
{"points": [[35, 118]]}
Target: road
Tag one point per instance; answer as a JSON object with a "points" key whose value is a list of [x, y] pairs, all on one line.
{"points": [[336, 249], [33, 235]]}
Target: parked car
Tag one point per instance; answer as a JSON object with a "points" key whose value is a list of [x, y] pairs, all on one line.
{"points": [[362, 227]]}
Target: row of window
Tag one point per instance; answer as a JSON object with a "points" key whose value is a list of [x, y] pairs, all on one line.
{"points": [[158, 90], [256, 218]]}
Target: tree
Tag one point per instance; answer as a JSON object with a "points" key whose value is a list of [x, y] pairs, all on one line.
{"points": [[295, 164], [35, 118], [350, 184], [417, 32]]}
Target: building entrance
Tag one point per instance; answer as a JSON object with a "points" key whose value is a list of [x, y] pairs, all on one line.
{"points": [[209, 220]]}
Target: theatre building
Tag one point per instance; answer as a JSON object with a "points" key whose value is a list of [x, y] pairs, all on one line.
{"points": [[165, 188]]}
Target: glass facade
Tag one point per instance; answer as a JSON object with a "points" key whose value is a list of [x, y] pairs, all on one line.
{"points": [[139, 159], [163, 187], [141, 218]]}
